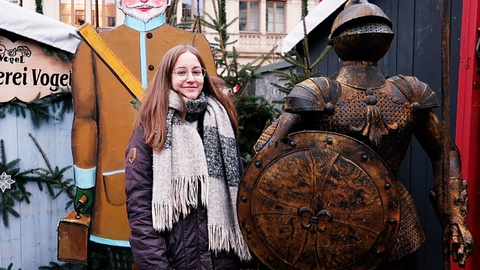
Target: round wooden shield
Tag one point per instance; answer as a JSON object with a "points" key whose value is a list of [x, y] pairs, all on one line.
{"points": [[319, 200]]}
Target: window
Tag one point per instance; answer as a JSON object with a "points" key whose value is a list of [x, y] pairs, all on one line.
{"points": [[192, 8], [75, 12], [275, 17], [106, 13], [249, 16], [72, 11]]}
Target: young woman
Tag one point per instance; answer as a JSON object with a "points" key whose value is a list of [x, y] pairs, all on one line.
{"points": [[182, 171]]}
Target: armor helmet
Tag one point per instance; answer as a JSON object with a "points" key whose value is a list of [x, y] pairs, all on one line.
{"points": [[361, 32]]}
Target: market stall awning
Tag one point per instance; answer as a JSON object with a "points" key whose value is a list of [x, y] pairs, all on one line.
{"points": [[314, 18], [38, 27]]}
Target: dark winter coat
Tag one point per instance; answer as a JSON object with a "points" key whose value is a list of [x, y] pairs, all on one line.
{"points": [[186, 246]]}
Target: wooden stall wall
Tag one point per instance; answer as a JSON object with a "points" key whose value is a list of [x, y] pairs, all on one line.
{"points": [[30, 241], [415, 51]]}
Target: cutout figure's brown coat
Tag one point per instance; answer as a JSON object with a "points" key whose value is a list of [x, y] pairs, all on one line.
{"points": [[104, 116]]}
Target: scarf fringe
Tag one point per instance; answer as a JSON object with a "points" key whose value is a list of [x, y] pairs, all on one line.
{"points": [[220, 238], [185, 195]]}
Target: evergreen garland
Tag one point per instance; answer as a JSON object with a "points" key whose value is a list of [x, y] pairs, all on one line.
{"points": [[57, 54], [40, 108]]}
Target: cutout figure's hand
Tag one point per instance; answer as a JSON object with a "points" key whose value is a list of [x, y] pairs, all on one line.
{"points": [[83, 200]]}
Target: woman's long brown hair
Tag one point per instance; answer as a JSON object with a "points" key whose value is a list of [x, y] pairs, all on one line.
{"points": [[152, 114]]}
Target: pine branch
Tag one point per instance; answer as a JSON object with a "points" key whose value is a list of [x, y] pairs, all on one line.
{"points": [[57, 266], [53, 175], [305, 35], [171, 15], [293, 78]]}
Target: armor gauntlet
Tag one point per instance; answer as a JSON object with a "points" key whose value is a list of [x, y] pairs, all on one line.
{"points": [[460, 236], [462, 240]]}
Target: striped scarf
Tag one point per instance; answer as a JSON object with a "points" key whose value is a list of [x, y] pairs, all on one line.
{"points": [[187, 165]]}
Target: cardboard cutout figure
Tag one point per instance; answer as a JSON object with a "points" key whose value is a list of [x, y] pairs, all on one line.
{"points": [[104, 115]]}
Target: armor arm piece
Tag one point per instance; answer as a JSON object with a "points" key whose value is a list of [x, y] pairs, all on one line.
{"points": [[418, 93], [428, 133], [462, 239], [283, 126], [314, 94]]}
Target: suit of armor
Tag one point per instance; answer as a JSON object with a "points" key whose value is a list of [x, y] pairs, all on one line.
{"points": [[381, 113]]}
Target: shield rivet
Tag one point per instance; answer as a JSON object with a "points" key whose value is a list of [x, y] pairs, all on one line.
{"points": [[270, 260], [249, 231], [293, 143], [388, 186], [258, 164], [392, 221], [329, 140], [378, 252], [364, 157], [244, 199]]}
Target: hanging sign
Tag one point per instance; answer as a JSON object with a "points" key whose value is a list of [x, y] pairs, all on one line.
{"points": [[27, 72]]}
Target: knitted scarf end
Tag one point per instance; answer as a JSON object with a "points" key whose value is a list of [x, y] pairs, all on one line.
{"points": [[185, 195], [220, 238]]}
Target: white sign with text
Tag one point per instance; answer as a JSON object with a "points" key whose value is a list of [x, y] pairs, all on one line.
{"points": [[26, 71]]}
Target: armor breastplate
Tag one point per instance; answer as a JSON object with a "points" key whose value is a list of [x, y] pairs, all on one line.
{"points": [[355, 118], [382, 118]]}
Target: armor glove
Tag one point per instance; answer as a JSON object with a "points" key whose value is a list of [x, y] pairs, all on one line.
{"points": [[461, 238], [83, 200], [462, 243]]}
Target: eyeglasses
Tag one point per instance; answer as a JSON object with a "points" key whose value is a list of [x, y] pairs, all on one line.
{"points": [[197, 73]]}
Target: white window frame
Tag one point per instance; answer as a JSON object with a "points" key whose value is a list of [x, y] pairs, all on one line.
{"points": [[248, 26], [80, 8], [275, 23]]}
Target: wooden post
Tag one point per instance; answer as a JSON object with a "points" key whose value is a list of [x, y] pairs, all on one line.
{"points": [[445, 74]]}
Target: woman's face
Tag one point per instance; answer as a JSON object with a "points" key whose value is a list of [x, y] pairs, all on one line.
{"points": [[188, 75]]}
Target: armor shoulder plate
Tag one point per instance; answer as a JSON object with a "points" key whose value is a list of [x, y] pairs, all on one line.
{"points": [[418, 93], [314, 94]]}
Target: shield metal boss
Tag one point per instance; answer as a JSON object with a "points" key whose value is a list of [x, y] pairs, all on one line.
{"points": [[319, 200]]}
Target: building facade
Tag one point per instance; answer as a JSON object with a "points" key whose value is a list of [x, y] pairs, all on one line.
{"points": [[261, 24]]}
